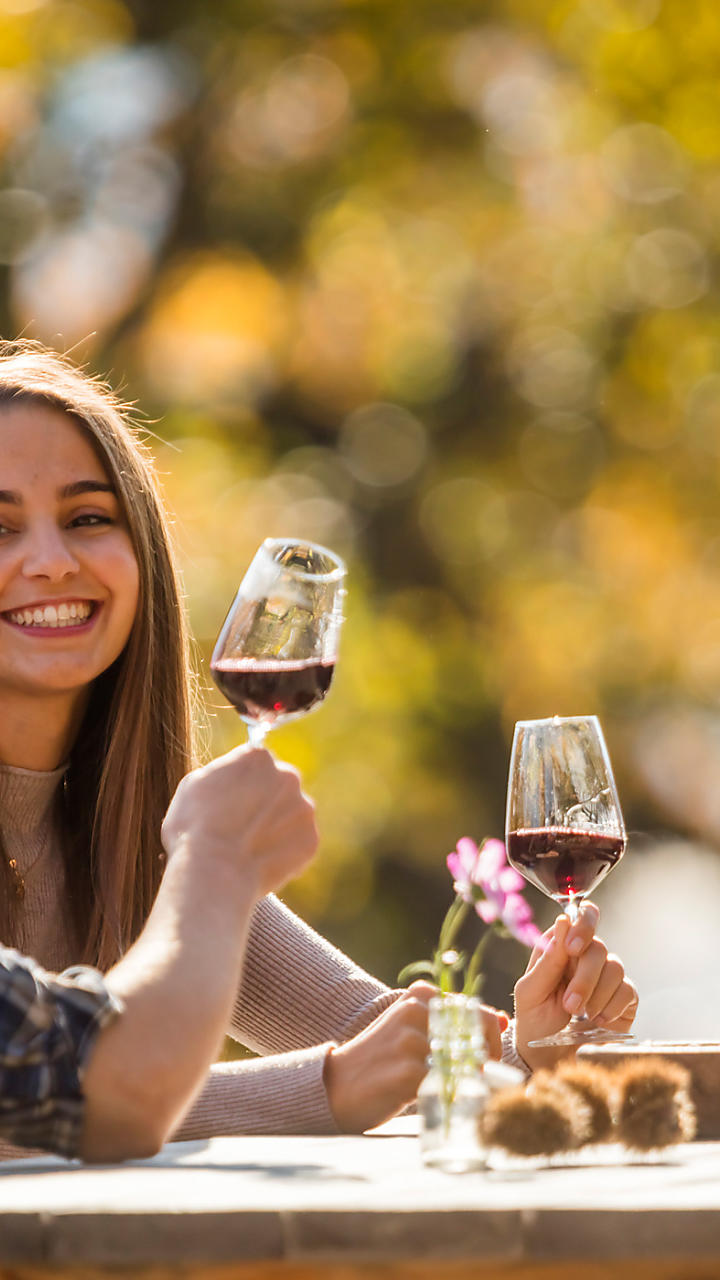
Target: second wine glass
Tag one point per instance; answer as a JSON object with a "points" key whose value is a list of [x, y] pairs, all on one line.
{"points": [[276, 652], [564, 828]]}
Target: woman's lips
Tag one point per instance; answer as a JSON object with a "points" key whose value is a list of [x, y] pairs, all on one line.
{"points": [[67, 615]]}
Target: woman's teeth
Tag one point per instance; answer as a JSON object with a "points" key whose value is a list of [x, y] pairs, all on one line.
{"points": [[50, 615]]}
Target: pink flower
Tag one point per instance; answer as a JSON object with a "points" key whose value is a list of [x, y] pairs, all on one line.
{"points": [[517, 918], [462, 865], [483, 878]]}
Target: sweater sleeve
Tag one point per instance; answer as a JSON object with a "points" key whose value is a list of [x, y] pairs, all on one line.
{"points": [[298, 996], [283, 1093], [297, 989], [510, 1054]]}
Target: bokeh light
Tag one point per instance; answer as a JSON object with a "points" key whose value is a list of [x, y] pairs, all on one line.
{"points": [[448, 303]]}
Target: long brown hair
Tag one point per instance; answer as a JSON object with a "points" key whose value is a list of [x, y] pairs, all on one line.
{"points": [[135, 740]]}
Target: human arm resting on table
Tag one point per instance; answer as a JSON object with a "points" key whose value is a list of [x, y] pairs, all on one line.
{"points": [[48, 1026], [325, 1024], [234, 830]]}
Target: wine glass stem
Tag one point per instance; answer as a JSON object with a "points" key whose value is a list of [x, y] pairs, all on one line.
{"points": [[256, 733], [572, 910]]}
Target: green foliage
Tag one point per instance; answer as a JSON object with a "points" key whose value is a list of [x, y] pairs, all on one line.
{"points": [[435, 284]]}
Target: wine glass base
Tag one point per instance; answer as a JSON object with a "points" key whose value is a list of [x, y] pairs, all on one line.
{"points": [[574, 1035]]}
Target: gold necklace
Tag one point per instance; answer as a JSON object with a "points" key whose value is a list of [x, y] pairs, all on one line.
{"points": [[17, 880]]}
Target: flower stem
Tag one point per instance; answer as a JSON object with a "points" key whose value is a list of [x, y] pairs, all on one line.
{"points": [[454, 918], [447, 961], [472, 974]]}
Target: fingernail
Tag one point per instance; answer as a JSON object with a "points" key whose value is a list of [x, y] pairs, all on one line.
{"points": [[572, 1002], [575, 947]]}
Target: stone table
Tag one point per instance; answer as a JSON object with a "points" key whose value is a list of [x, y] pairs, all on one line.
{"points": [[291, 1208]]}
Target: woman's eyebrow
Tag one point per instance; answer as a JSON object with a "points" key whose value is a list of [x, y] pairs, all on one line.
{"points": [[84, 486], [11, 498]]}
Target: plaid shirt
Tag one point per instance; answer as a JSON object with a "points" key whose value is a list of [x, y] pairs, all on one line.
{"points": [[48, 1025]]}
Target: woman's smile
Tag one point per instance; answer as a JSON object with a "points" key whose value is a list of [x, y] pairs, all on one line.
{"points": [[68, 571], [52, 617]]}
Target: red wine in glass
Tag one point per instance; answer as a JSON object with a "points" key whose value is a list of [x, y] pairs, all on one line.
{"points": [[564, 829], [266, 690], [275, 656], [563, 863]]}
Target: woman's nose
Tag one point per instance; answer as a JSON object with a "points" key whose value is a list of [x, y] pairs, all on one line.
{"points": [[47, 555]]}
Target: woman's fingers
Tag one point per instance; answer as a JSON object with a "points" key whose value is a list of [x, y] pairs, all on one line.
{"points": [[556, 933], [609, 982], [599, 987], [494, 1022], [615, 997], [581, 933], [585, 979], [570, 972], [373, 1076], [572, 939], [546, 968], [625, 1020], [421, 992]]}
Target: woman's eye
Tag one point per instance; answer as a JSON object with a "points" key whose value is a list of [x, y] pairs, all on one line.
{"points": [[89, 520]]}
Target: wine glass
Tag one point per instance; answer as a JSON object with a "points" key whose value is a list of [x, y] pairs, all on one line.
{"points": [[275, 655], [564, 827]]}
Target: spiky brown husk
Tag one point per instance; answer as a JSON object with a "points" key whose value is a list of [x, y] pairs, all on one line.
{"points": [[535, 1122], [594, 1085], [654, 1107]]}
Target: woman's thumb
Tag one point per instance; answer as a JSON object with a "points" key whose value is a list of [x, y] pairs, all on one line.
{"points": [[542, 978]]}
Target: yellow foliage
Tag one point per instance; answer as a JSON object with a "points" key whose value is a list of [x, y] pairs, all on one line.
{"points": [[218, 325], [439, 292]]}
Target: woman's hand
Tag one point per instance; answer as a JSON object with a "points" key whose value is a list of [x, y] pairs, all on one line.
{"points": [[245, 810], [375, 1075], [570, 972]]}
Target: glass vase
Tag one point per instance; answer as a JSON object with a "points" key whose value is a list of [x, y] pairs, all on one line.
{"points": [[452, 1097]]}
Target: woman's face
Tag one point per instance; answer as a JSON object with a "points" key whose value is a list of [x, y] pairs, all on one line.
{"points": [[69, 579]]}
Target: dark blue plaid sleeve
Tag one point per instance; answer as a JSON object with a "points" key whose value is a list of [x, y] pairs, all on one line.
{"points": [[48, 1025]]}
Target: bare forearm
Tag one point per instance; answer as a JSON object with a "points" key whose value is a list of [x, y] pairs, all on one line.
{"points": [[177, 983], [235, 829]]}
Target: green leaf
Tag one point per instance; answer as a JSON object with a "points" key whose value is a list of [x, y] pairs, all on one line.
{"points": [[416, 969], [454, 917]]}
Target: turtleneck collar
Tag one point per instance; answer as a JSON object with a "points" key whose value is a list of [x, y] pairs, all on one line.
{"points": [[26, 796]]}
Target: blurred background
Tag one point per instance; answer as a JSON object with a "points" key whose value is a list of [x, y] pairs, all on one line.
{"points": [[436, 285]]}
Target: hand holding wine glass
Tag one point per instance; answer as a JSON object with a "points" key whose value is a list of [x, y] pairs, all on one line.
{"points": [[275, 656], [564, 827]]}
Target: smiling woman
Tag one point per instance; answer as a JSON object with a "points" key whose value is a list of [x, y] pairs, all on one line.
{"points": [[68, 580], [82, 528], [97, 733], [96, 737]]}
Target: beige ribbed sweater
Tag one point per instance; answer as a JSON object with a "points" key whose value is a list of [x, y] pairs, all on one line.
{"points": [[298, 994]]}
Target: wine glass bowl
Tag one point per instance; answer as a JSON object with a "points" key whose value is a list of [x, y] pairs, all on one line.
{"points": [[276, 652], [564, 825]]}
